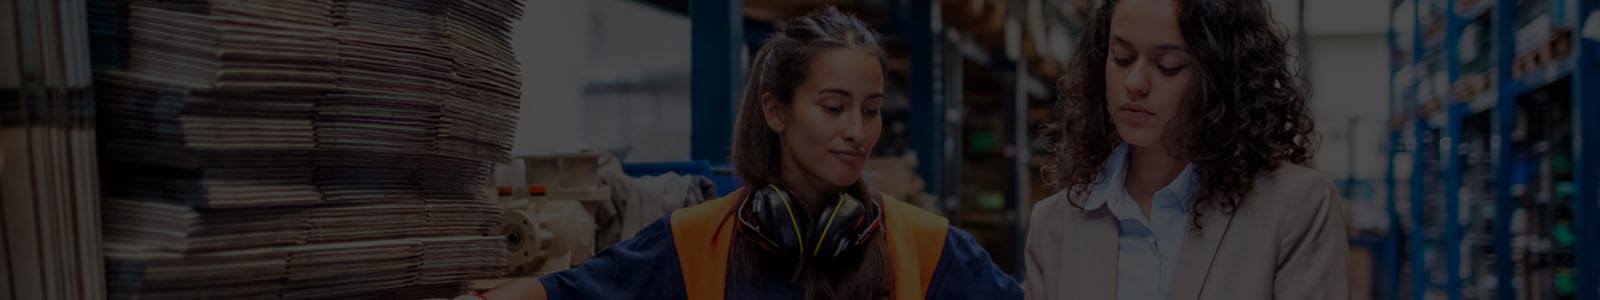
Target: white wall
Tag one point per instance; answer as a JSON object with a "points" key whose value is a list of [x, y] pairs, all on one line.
{"points": [[552, 44], [567, 47], [1348, 67], [1347, 64], [639, 107], [1348, 82], [1347, 17]]}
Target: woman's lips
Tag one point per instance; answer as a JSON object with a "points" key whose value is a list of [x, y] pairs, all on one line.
{"points": [[850, 156], [1134, 112]]}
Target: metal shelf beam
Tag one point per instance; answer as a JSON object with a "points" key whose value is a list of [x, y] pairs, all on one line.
{"points": [[1586, 148], [1455, 111], [1504, 125], [717, 49], [1419, 245]]}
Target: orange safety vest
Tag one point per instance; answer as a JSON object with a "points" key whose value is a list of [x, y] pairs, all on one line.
{"points": [[703, 233]]}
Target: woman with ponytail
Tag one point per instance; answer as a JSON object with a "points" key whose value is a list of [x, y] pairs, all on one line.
{"points": [[806, 225]]}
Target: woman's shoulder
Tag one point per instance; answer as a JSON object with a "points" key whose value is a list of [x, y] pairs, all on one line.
{"points": [[1053, 209], [1293, 182], [1292, 173], [1295, 194], [912, 216]]}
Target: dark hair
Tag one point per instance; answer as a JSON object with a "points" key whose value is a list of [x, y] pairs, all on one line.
{"points": [[777, 69], [781, 64], [1245, 116]]}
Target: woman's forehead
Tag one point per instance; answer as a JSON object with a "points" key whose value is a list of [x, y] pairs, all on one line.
{"points": [[854, 72], [1146, 24]]}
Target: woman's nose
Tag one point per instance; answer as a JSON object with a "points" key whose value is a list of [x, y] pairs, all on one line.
{"points": [[1136, 81], [853, 127]]}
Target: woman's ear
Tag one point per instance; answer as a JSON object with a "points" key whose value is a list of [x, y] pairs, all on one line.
{"points": [[773, 111]]}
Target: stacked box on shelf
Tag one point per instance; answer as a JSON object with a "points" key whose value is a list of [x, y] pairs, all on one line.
{"points": [[1543, 191], [1477, 207], [1472, 59], [1533, 164], [1432, 227], [299, 148], [1432, 18], [1544, 40], [1475, 83]]}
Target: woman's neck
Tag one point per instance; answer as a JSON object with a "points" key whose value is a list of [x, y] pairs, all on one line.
{"points": [[811, 190], [1149, 170]]}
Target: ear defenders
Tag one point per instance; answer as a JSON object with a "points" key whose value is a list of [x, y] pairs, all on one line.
{"points": [[779, 225]]}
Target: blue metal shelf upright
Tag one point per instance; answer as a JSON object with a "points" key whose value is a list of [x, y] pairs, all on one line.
{"points": [[1391, 256], [717, 39], [1582, 67], [1586, 148]]}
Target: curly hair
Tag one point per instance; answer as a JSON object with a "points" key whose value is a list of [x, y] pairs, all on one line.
{"points": [[1245, 116]]}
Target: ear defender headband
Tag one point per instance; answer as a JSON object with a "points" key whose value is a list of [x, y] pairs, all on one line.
{"points": [[781, 227]]}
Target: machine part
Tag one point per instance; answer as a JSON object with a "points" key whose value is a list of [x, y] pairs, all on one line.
{"points": [[525, 242], [542, 170], [573, 227], [580, 170], [563, 171]]}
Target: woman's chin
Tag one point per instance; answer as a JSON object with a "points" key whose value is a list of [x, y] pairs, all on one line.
{"points": [[841, 181], [1139, 139]]}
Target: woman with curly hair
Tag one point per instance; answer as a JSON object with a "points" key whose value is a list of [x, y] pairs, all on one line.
{"points": [[1183, 138]]}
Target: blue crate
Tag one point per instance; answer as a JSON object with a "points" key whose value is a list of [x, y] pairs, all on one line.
{"points": [[721, 174]]}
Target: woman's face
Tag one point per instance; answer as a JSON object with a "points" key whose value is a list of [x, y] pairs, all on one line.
{"points": [[829, 129], [1148, 71]]}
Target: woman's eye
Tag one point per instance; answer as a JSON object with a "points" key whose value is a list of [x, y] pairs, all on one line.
{"points": [[1170, 71], [1171, 64], [1121, 57], [833, 109], [872, 112], [1122, 61]]}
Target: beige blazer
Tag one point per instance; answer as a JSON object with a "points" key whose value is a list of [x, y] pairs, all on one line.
{"points": [[1287, 240]]}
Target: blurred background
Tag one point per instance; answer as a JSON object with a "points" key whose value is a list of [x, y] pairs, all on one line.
{"points": [[1460, 132]]}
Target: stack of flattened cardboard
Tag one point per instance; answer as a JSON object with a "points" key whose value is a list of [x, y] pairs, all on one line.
{"points": [[449, 260], [304, 148], [49, 190], [144, 273], [486, 84]]}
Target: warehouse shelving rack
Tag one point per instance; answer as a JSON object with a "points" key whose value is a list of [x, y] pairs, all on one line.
{"points": [[1420, 107]]}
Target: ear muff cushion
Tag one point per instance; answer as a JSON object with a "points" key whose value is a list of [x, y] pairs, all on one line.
{"points": [[845, 224], [773, 220]]}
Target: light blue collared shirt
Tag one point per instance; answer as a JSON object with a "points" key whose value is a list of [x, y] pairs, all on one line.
{"points": [[1147, 249]]}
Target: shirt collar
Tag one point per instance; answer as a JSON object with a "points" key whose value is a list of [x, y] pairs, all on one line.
{"points": [[1109, 187]]}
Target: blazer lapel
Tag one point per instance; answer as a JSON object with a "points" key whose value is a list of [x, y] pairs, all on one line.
{"points": [[1194, 263], [1097, 255]]}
